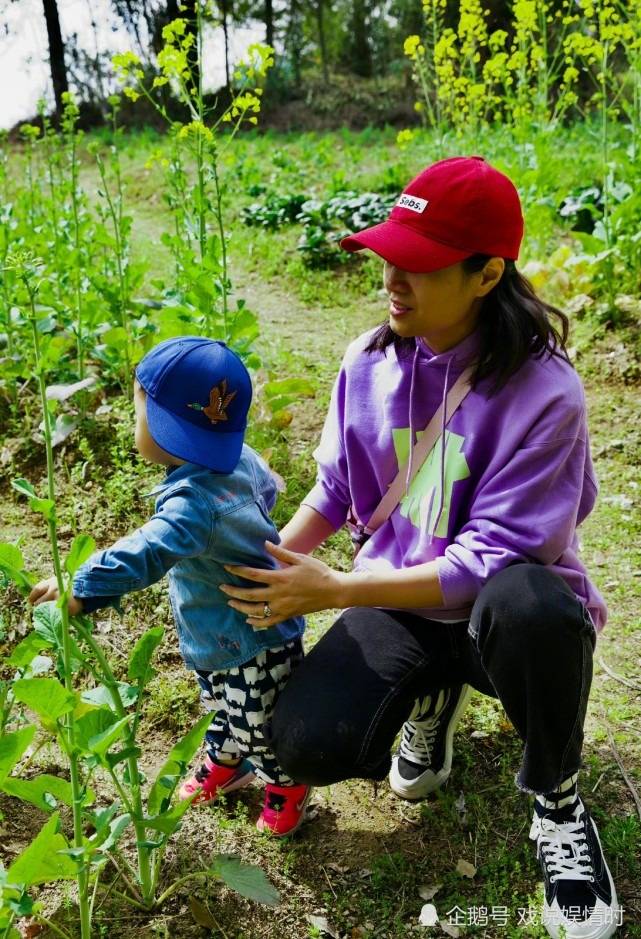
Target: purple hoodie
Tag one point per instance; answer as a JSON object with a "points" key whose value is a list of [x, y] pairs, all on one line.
{"points": [[511, 483]]}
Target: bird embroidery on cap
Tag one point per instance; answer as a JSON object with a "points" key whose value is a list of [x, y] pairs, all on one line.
{"points": [[219, 401]]}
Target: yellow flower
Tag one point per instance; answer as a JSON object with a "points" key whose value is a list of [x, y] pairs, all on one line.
{"points": [[405, 137], [195, 129], [410, 46], [131, 93]]}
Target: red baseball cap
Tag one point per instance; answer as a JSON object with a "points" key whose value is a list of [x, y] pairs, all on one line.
{"points": [[453, 209]]}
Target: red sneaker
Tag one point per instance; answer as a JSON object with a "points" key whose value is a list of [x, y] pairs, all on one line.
{"points": [[214, 778], [284, 809]]}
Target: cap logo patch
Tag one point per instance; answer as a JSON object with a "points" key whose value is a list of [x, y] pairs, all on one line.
{"points": [[219, 400], [413, 203]]}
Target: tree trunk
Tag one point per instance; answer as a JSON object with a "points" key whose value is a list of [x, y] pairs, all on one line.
{"points": [[295, 40], [56, 52], [223, 10], [361, 52], [321, 38], [269, 23]]}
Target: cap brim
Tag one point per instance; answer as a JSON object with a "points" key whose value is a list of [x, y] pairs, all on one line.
{"points": [[219, 451], [404, 247]]}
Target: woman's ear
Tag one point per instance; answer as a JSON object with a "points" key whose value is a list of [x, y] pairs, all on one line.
{"points": [[490, 276]]}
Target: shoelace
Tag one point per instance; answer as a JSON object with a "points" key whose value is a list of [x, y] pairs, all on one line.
{"points": [[418, 741], [420, 730], [564, 848]]}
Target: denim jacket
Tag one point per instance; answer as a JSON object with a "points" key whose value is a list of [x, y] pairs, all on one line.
{"points": [[203, 520]]}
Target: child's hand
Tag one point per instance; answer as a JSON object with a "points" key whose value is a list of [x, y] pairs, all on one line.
{"points": [[48, 590]]}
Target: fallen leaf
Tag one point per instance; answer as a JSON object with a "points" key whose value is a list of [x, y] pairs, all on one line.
{"points": [[29, 930], [464, 868], [429, 916], [428, 892], [201, 914], [449, 930]]}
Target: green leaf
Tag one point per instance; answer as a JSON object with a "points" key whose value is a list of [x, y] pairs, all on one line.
{"points": [[11, 555], [46, 696], [100, 695], [12, 746], [116, 338], [92, 724], [139, 667], [299, 387], [114, 758], [169, 822], [246, 879], [100, 743], [12, 565], [42, 862], [24, 487], [47, 622], [26, 651], [116, 829], [176, 765], [42, 791], [82, 547], [46, 507]]}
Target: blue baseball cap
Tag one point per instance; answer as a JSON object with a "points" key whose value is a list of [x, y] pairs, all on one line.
{"points": [[198, 396]]}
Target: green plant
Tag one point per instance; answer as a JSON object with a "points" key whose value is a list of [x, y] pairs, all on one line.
{"points": [[95, 728]]}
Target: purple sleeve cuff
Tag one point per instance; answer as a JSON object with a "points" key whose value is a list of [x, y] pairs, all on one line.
{"points": [[458, 586], [329, 507]]}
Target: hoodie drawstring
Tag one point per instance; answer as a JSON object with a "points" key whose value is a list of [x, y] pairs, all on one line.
{"points": [[443, 445], [408, 477]]}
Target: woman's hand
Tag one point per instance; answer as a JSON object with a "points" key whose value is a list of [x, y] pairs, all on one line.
{"points": [[48, 590], [301, 585]]}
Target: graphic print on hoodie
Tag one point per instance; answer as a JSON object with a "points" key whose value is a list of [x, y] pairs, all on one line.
{"points": [[427, 504]]}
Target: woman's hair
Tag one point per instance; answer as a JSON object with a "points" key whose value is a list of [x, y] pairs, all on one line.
{"points": [[514, 324]]}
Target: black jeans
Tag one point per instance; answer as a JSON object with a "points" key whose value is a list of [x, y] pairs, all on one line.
{"points": [[529, 643]]}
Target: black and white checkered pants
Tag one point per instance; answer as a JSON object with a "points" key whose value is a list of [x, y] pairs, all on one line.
{"points": [[243, 699]]}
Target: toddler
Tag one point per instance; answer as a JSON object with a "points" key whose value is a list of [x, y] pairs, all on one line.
{"points": [[191, 398]]}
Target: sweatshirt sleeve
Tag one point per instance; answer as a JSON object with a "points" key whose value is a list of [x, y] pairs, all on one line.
{"points": [[527, 510], [330, 496], [180, 528]]}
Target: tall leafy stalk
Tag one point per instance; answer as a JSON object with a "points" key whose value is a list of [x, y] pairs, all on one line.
{"points": [[29, 272]]}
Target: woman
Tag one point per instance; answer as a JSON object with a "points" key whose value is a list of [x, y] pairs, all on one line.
{"points": [[470, 578]]}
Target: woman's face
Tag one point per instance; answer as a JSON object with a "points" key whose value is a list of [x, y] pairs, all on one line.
{"points": [[442, 306]]}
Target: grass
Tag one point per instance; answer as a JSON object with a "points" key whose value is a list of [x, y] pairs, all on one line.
{"points": [[363, 861]]}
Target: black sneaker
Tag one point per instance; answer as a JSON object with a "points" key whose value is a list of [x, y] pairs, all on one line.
{"points": [[580, 899], [424, 760]]}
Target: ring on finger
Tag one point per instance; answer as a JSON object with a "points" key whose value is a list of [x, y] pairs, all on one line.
{"points": [[267, 610]]}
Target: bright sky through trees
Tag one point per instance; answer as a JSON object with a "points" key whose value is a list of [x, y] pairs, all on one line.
{"points": [[24, 65]]}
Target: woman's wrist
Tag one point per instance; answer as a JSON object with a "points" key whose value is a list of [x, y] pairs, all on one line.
{"points": [[408, 588], [347, 589]]}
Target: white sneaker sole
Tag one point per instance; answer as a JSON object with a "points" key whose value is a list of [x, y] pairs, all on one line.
{"points": [[429, 781]]}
